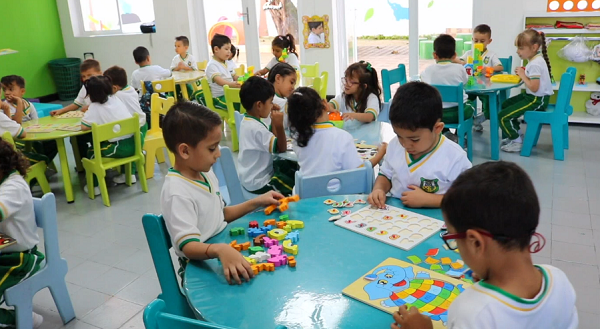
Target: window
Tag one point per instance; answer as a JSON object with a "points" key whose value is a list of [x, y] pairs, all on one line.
{"points": [[106, 17]]}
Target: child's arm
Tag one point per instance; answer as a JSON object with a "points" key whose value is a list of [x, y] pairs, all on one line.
{"points": [[234, 212], [411, 319], [262, 72], [362, 117], [183, 67], [417, 198], [532, 83], [279, 131], [380, 153], [5, 108], [498, 68], [382, 186], [458, 60], [18, 116], [222, 82], [234, 264], [68, 108]]}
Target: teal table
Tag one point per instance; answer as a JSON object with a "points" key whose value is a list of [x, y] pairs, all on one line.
{"points": [[310, 295]]}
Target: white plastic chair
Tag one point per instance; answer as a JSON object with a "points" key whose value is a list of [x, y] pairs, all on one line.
{"points": [[352, 181]]}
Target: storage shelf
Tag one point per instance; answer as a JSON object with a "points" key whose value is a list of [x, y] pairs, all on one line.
{"points": [[590, 87], [567, 31], [584, 117], [561, 14]]}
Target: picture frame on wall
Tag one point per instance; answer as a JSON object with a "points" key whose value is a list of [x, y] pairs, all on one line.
{"points": [[316, 31]]}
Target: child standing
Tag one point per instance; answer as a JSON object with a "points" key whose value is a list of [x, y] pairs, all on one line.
{"points": [[147, 71], [316, 32], [361, 99], [280, 43], [17, 219], [183, 61], [217, 73], [538, 88], [21, 110], [89, 68], [420, 165], [494, 241], [190, 200], [283, 78]]}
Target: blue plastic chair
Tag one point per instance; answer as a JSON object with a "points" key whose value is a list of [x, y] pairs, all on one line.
{"points": [[454, 94], [52, 276], [160, 243], [352, 181], [388, 78], [507, 64], [557, 116], [226, 172]]}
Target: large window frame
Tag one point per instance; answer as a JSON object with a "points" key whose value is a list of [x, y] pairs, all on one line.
{"points": [[77, 15]]}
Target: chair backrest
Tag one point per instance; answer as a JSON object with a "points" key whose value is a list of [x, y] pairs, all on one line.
{"points": [[352, 181], [310, 71], [390, 77], [101, 133], [225, 169], [45, 218], [159, 106], [164, 86], [159, 242], [507, 64], [207, 94], [7, 137], [202, 65], [232, 96], [565, 90], [453, 94], [320, 84]]}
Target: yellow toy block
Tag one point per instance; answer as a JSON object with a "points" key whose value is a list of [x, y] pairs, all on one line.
{"points": [[250, 260], [295, 224], [505, 78], [430, 261], [287, 247], [277, 233], [287, 228], [446, 261], [456, 265]]}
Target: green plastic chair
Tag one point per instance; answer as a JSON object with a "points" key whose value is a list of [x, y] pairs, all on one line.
{"points": [[320, 84], [98, 165], [232, 96], [36, 171], [309, 72], [454, 94], [208, 98]]}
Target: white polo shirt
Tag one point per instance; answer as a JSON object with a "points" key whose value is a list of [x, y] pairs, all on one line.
{"points": [[111, 111], [486, 306], [292, 59], [10, 125], [231, 66], [489, 58], [339, 103], [538, 69], [17, 217], [188, 60], [129, 97], [282, 103], [217, 69], [255, 160], [434, 172], [82, 98], [448, 74], [315, 38], [29, 111], [148, 73], [193, 210]]}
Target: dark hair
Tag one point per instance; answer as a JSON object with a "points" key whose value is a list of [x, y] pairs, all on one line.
{"points": [[183, 39], [532, 37], [255, 89], [235, 51], [117, 76], [219, 40], [285, 42], [140, 54], [314, 25], [507, 205], [416, 105], [10, 79], [188, 123], [89, 64], [282, 69], [444, 46], [11, 159], [367, 75], [304, 107], [98, 88], [483, 29]]}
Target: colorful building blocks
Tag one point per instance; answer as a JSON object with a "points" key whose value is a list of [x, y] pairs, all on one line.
{"points": [[235, 245], [278, 234], [289, 248], [283, 218], [253, 224], [255, 249], [295, 224], [269, 222], [259, 240], [279, 260], [275, 251], [245, 245], [237, 231], [260, 256], [254, 232], [250, 260], [287, 228], [283, 204], [268, 242], [291, 261], [281, 224], [294, 236]]}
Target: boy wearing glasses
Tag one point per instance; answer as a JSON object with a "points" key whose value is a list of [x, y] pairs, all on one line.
{"points": [[494, 241], [421, 164]]}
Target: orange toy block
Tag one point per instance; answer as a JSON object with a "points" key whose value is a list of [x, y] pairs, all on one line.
{"points": [[235, 245], [281, 224], [269, 222], [283, 206], [269, 210], [245, 245], [269, 267], [291, 261]]}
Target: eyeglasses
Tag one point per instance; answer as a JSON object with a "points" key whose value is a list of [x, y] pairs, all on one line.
{"points": [[450, 239], [347, 82]]}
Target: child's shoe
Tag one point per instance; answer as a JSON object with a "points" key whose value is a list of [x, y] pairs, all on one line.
{"points": [[505, 141], [512, 147], [37, 320], [477, 121], [121, 179], [96, 190]]}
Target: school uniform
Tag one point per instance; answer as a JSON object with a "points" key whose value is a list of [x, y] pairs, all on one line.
{"points": [[111, 111], [29, 111], [8, 124], [487, 306], [282, 103], [188, 60], [490, 59], [129, 97], [214, 69], [41, 151], [433, 172], [231, 66], [292, 60], [82, 98], [373, 105], [148, 73]]}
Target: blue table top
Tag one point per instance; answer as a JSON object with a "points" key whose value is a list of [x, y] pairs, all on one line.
{"points": [[309, 296], [485, 85]]}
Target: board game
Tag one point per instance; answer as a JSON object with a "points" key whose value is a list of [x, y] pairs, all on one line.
{"points": [[50, 127], [394, 283], [6, 241], [397, 227], [70, 115]]}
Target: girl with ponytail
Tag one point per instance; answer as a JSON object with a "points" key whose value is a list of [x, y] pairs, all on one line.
{"points": [[280, 43]]}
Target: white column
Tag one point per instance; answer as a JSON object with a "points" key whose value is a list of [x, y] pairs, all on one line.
{"points": [[413, 37], [198, 33], [251, 21]]}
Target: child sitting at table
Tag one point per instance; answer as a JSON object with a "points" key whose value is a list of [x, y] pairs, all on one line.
{"points": [[17, 219], [16, 131], [231, 65], [495, 241], [283, 78], [420, 165], [190, 200], [16, 107], [258, 172], [89, 68], [147, 71], [278, 44]]}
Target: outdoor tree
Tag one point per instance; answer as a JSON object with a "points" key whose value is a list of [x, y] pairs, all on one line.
{"points": [[285, 16]]}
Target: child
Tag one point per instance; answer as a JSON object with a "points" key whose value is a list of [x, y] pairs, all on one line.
{"points": [[147, 71], [361, 99], [37, 154], [217, 73], [494, 241], [313, 136], [191, 203], [258, 173], [17, 219], [482, 34], [283, 77], [316, 32], [444, 72], [231, 65], [20, 109], [89, 68], [280, 43], [538, 88], [104, 109], [183, 61], [420, 165]]}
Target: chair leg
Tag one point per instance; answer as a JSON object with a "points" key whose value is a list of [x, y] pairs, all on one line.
{"points": [[537, 134], [531, 135], [150, 157], [566, 136], [43, 181], [61, 297], [142, 175], [89, 177], [171, 157], [160, 157], [103, 188], [470, 144], [557, 142], [23, 311], [128, 174], [234, 138]]}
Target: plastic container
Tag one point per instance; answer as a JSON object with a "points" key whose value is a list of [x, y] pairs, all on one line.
{"points": [[65, 72]]}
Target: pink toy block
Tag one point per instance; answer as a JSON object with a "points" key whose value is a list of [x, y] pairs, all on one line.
{"points": [[275, 251], [278, 260], [268, 242]]}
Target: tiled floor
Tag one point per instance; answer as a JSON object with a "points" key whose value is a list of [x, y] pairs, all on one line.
{"points": [[111, 276]]}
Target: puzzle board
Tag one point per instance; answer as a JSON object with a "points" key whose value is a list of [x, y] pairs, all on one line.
{"points": [[397, 227], [70, 114], [50, 127]]}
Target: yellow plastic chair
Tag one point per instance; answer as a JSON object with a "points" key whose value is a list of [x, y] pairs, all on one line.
{"points": [[202, 65], [309, 72], [165, 86], [154, 138], [250, 70], [98, 165], [240, 71], [232, 96], [320, 84], [37, 171], [209, 100]]}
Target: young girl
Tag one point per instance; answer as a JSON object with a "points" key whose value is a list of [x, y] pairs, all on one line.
{"points": [[231, 65], [278, 45], [283, 77], [314, 136], [531, 46], [17, 219], [361, 97]]}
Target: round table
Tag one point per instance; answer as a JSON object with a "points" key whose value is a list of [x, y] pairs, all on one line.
{"points": [[309, 296], [184, 77]]}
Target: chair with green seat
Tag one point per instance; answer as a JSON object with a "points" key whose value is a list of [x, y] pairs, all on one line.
{"points": [[208, 99], [320, 84], [36, 171], [455, 94], [232, 97], [308, 73], [98, 165], [162, 86], [154, 143]]}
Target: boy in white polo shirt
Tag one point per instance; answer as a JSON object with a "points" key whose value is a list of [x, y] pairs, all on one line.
{"points": [[190, 200], [421, 164], [21, 110], [147, 71], [183, 61]]}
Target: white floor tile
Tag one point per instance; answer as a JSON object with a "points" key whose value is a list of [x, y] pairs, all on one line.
{"points": [[572, 235], [86, 272], [86, 300], [112, 314], [570, 219], [141, 291], [137, 322], [574, 253], [112, 281], [140, 262]]}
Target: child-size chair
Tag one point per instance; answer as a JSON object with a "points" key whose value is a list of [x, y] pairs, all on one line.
{"points": [[320, 84], [208, 98], [557, 116], [352, 181], [162, 86], [388, 78], [309, 72], [154, 138], [507, 65], [98, 165], [454, 94], [232, 96], [241, 70], [202, 65], [36, 171], [228, 178], [51, 276]]}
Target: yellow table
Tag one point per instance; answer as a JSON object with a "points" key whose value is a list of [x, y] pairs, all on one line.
{"points": [[182, 78], [59, 136]]}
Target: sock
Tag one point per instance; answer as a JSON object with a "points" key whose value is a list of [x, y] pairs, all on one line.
{"points": [[518, 140]]}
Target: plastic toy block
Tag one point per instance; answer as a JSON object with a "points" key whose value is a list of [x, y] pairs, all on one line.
{"points": [[269, 242], [235, 245], [275, 251], [269, 222], [259, 240], [254, 232], [256, 269], [283, 207], [415, 259], [267, 228], [281, 225], [269, 210], [250, 260], [289, 248], [292, 262], [284, 218], [436, 267], [446, 261], [245, 245], [253, 224], [432, 252], [430, 261], [287, 228], [456, 265], [294, 236], [277, 233], [278, 260], [269, 267], [260, 256], [237, 231], [296, 224], [454, 274], [254, 250]]}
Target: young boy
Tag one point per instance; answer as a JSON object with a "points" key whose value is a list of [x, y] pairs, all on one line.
{"points": [[494, 241], [421, 164], [190, 200], [147, 71], [89, 68], [183, 61], [316, 32], [444, 72], [258, 173], [18, 108]]}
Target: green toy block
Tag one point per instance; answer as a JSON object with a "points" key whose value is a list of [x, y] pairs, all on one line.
{"points": [[237, 231], [254, 250], [284, 218]]}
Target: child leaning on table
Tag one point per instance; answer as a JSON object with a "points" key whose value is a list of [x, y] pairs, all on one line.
{"points": [[190, 200], [421, 164], [494, 241], [89, 68], [16, 107]]}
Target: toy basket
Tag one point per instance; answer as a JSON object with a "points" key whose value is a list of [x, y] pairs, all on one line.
{"points": [[65, 72]]}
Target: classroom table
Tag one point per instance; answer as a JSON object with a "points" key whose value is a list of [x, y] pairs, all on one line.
{"points": [[309, 296], [184, 77], [59, 136]]}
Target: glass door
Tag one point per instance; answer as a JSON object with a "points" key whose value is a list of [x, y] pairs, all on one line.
{"points": [[276, 17], [227, 17]]}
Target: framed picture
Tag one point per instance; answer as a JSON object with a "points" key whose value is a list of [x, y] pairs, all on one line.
{"points": [[316, 31]]}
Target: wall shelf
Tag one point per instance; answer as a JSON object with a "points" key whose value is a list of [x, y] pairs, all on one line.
{"points": [[549, 31]]}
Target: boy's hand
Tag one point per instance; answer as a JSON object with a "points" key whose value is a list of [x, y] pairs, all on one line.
{"points": [[269, 198], [235, 85], [181, 66], [382, 148], [276, 118], [411, 319], [276, 108], [377, 198], [234, 264], [85, 108], [414, 198]]}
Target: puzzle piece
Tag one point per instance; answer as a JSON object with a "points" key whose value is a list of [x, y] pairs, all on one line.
{"points": [[294, 236], [235, 245], [430, 261], [346, 212], [329, 202], [432, 252], [287, 247], [454, 274], [334, 218], [237, 231], [446, 261], [277, 233], [253, 224], [269, 210], [415, 259], [275, 250], [295, 224], [254, 232], [284, 218], [279, 260], [260, 256], [268, 242], [456, 265], [333, 211], [269, 222], [250, 260], [281, 225], [245, 245], [254, 250], [360, 201], [259, 240], [436, 267]]}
